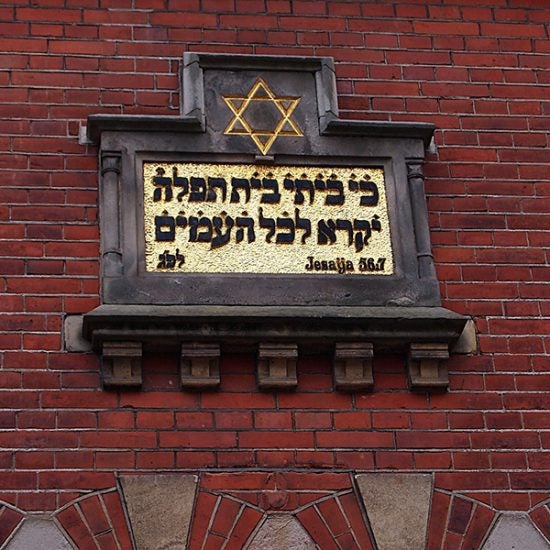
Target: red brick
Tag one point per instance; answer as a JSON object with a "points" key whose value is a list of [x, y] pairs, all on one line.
{"points": [[392, 460], [350, 505], [437, 520], [74, 459], [118, 439], [10, 520], [356, 439], [479, 525], [233, 420], [540, 517], [317, 529], [34, 460], [275, 439], [317, 420], [225, 516], [73, 524], [197, 439], [114, 459]]}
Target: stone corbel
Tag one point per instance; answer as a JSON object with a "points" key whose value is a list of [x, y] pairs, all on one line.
{"points": [[200, 366], [353, 366], [121, 364], [427, 366], [277, 366]]}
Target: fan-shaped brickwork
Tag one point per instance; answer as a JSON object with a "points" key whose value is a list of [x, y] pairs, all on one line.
{"points": [[9, 520], [231, 507], [96, 521], [540, 516]]}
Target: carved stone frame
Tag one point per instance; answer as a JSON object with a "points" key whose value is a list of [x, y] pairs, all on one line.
{"points": [[346, 313]]}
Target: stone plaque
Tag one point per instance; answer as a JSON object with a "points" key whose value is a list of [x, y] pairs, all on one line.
{"points": [[259, 195], [245, 218], [258, 220]]}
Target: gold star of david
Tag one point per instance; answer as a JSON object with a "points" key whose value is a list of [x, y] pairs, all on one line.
{"points": [[262, 137]]}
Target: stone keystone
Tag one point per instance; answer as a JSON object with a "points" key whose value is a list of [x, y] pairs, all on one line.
{"points": [[397, 507], [159, 508]]}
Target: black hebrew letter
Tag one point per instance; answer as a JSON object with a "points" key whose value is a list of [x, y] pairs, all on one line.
{"points": [[372, 198], [206, 235], [180, 257], [195, 224], [267, 223], [335, 185], [288, 183], [302, 223], [198, 190], [219, 183], [346, 226], [165, 183], [239, 183], [288, 223], [221, 238], [255, 183], [180, 182], [162, 260], [303, 185], [181, 221], [326, 231], [247, 222], [167, 260], [165, 227], [273, 197], [170, 261], [320, 184], [360, 238]]}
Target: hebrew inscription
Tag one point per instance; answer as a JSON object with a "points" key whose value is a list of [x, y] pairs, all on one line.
{"points": [[235, 218]]}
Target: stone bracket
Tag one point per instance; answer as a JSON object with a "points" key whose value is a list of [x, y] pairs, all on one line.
{"points": [[198, 333], [200, 366], [121, 364], [277, 366], [353, 366], [427, 366]]}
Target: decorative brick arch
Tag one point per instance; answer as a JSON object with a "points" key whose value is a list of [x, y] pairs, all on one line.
{"points": [[458, 522], [540, 516], [230, 507], [96, 520], [10, 518]]}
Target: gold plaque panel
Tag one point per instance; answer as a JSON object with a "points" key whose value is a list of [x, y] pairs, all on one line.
{"points": [[240, 218]]}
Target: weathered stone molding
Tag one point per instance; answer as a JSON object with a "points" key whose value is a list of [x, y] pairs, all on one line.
{"points": [[109, 205], [276, 316], [200, 366], [427, 366], [278, 335], [276, 366], [353, 366], [415, 175], [121, 364]]}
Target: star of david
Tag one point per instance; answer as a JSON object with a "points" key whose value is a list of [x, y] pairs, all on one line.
{"points": [[262, 137]]}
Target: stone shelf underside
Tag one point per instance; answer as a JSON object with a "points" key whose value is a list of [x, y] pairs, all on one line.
{"points": [[277, 335]]}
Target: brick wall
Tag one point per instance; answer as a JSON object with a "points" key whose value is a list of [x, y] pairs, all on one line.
{"points": [[479, 70]]}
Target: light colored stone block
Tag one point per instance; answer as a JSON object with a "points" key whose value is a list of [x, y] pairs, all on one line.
{"points": [[397, 507], [515, 532], [72, 332], [159, 508], [281, 532], [38, 534], [467, 343]]}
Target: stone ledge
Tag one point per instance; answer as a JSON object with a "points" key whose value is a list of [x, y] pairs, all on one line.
{"points": [[386, 327], [98, 123], [280, 334]]}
